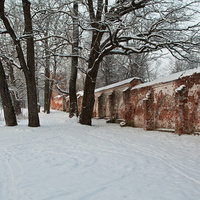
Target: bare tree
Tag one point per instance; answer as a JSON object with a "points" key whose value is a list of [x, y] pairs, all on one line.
{"points": [[9, 112], [28, 65], [181, 65], [116, 68], [74, 63], [53, 27], [47, 93], [130, 26], [14, 93]]}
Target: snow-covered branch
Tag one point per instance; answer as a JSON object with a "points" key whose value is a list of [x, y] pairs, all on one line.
{"points": [[54, 36], [10, 60], [61, 90]]}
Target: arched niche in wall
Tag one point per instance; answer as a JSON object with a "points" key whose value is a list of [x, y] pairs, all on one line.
{"points": [[165, 114], [107, 108], [138, 116], [196, 116], [121, 108], [101, 105], [95, 108], [111, 105], [67, 105]]}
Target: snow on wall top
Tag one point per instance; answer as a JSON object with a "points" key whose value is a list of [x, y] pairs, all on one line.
{"points": [[112, 85], [166, 79], [116, 84], [169, 78], [58, 96], [80, 93]]}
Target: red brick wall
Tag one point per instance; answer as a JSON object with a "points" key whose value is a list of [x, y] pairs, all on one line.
{"points": [[169, 105], [160, 106], [57, 103]]}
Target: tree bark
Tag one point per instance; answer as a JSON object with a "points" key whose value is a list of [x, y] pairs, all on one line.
{"points": [[9, 112], [94, 61], [74, 64], [15, 96], [30, 74], [88, 98], [47, 90], [47, 94], [98, 50], [90, 81]]}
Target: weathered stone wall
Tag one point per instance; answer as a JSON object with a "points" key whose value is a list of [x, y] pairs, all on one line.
{"points": [[109, 100], [58, 102], [171, 103], [168, 105]]}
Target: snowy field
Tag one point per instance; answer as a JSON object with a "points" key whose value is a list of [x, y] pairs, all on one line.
{"points": [[63, 160]]}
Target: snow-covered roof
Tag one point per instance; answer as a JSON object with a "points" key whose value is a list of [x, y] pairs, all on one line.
{"points": [[116, 84], [169, 78]]}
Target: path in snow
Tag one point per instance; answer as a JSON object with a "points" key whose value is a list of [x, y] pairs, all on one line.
{"points": [[64, 160]]}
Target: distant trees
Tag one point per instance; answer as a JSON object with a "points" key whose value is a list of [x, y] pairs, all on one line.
{"points": [[116, 68], [52, 38], [55, 37], [181, 65]]}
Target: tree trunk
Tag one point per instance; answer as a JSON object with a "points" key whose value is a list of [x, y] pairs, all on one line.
{"points": [[50, 95], [47, 95], [32, 102], [51, 83], [72, 83], [9, 112], [47, 91], [16, 103], [90, 81], [30, 74], [29, 67], [88, 99], [15, 96]]}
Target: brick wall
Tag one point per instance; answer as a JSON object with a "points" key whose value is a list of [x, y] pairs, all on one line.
{"points": [[57, 102], [171, 103]]}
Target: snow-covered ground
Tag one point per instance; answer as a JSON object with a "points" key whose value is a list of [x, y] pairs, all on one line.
{"points": [[63, 160]]}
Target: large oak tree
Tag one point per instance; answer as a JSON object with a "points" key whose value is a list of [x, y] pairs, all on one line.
{"points": [[136, 26]]}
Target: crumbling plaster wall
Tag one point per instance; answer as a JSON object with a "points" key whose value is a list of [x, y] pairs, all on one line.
{"points": [[109, 101], [173, 103]]}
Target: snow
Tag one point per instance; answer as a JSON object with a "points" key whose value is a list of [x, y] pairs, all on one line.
{"points": [[58, 96], [116, 84], [65, 160], [180, 88], [111, 86], [147, 96], [80, 93]]}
